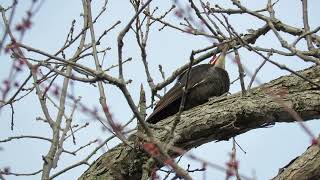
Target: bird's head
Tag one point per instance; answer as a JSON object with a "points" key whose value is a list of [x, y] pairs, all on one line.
{"points": [[220, 60]]}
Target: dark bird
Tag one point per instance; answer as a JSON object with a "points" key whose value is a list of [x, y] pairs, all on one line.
{"points": [[205, 81]]}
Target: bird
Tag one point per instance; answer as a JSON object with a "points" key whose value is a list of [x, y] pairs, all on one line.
{"points": [[205, 81]]}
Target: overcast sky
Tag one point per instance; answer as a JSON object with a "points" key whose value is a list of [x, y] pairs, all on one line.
{"points": [[267, 149]]}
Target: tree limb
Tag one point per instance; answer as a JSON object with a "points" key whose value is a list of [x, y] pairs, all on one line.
{"points": [[304, 167], [219, 119]]}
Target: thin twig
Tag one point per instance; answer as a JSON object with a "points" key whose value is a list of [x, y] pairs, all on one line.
{"points": [[306, 23]]}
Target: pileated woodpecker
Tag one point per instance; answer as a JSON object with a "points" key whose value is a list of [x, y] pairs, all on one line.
{"points": [[205, 81]]}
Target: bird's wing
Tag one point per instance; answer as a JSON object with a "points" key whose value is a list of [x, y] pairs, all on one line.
{"points": [[172, 95], [198, 74], [203, 81], [196, 70]]}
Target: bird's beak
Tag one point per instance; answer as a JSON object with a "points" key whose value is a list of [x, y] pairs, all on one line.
{"points": [[214, 59], [223, 53]]}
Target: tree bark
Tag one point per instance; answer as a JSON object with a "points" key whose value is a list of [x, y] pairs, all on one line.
{"points": [[220, 119], [304, 167]]}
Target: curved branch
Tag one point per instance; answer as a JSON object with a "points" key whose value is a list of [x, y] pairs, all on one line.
{"points": [[305, 166], [25, 137]]}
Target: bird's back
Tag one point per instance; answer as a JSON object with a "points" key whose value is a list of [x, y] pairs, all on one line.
{"points": [[204, 82]]}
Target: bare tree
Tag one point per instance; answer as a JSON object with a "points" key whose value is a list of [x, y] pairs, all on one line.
{"points": [[145, 148]]}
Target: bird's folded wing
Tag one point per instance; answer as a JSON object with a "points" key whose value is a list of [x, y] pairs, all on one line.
{"points": [[175, 93], [172, 95]]}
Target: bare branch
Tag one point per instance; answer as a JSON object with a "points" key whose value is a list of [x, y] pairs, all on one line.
{"points": [[25, 137], [306, 23]]}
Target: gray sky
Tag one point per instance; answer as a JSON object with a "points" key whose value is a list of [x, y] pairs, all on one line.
{"points": [[267, 149]]}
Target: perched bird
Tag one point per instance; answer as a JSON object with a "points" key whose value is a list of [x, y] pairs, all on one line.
{"points": [[205, 81]]}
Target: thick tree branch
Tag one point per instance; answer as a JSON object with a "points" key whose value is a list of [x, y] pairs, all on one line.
{"points": [[219, 119], [304, 167]]}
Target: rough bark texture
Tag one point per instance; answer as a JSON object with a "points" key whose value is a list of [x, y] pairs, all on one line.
{"points": [[220, 119], [304, 167]]}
